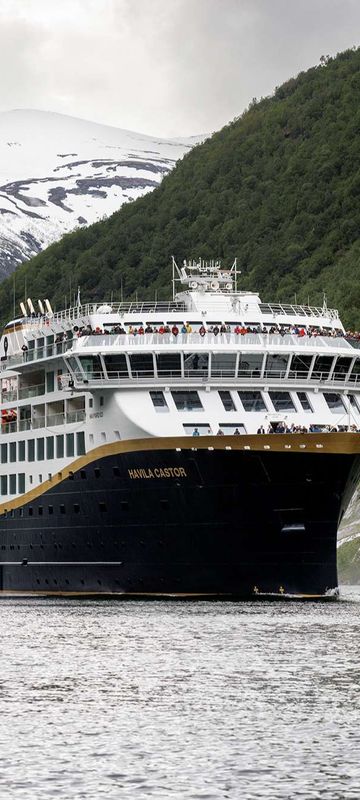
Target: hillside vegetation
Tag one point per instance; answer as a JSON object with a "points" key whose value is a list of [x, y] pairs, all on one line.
{"points": [[279, 188]]}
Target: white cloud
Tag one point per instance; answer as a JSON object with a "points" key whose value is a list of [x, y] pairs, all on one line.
{"points": [[162, 66]]}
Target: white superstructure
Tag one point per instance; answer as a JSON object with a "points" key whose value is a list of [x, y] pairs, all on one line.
{"points": [[212, 360]]}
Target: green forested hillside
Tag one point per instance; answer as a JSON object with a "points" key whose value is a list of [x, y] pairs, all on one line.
{"points": [[279, 188]]}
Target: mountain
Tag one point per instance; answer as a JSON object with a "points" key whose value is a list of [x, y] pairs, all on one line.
{"points": [[58, 173], [278, 187]]}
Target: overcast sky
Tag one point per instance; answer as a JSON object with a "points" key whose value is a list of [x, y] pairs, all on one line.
{"points": [[165, 67]]}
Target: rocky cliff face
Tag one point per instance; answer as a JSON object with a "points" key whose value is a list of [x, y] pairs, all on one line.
{"points": [[58, 173]]}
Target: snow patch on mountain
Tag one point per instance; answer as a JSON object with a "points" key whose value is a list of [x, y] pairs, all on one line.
{"points": [[58, 173]]}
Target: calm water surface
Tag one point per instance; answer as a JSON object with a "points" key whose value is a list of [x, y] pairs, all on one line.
{"points": [[195, 701]]}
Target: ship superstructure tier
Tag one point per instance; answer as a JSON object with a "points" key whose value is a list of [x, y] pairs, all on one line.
{"points": [[163, 392]]}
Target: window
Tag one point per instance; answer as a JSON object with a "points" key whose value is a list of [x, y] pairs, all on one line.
{"points": [[282, 401], [159, 401], [200, 428], [21, 482], [223, 365], [40, 449], [195, 363], [300, 366], [116, 366], [250, 364], [76, 508], [187, 401], [276, 365], [62, 509], [3, 451], [304, 401], [141, 364], [12, 484], [49, 381], [51, 509], [355, 372], [12, 452], [342, 367], [92, 367], [21, 454], [3, 484], [227, 401], [31, 450], [101, 400], [334, 402], [322, 367], [49, 447], [354, 402], [69, 444], [252, 401], [168, 365], [80, 443], [59, 446], [229, 428]]}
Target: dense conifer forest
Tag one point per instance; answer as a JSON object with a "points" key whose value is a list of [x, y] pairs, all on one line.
{"points": [[279, 188]]}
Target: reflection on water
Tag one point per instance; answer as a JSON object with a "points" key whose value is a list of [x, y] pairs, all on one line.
{"points": [[170, 700]]}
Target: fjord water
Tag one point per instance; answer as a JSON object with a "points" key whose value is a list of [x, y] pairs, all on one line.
{"points": [[193, 701]]}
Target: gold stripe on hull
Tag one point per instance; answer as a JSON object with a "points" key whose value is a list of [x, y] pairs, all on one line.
{"points": [[316, 443]]}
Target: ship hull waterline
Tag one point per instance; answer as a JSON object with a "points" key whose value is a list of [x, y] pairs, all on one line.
{"points": [[223, 518]]}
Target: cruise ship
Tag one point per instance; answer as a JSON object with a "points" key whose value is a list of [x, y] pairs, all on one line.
{"points": [[204, 447]]}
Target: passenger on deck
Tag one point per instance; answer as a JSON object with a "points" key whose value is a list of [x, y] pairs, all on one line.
{"points": [[195, 432], [237, 432], [175, 330], [220, 432]]}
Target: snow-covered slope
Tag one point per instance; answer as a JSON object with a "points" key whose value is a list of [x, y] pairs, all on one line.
{"points": [[59, 172]]}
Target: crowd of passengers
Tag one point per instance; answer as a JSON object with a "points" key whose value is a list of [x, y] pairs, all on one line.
{"points": [[283, 428], [215, 330]]}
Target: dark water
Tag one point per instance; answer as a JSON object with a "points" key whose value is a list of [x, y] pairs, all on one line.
{"points": [[170, 700]]}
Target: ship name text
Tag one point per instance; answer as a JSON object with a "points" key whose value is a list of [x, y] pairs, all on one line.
{"points": [[158, 472]]}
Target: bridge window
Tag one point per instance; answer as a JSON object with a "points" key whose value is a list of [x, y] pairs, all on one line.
{"points": [[195, 363], [322, 367], [335, 402], [299, 367], [276, 365], [116, 366], [252, 401], [187, 401], [342, 367], [168, 365], [142, 365], [250, 364], [282, 401], [223, 365], [92, 367], [355, 372]]}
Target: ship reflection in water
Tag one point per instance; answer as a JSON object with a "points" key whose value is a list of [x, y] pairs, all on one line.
{"points": [[180, 701]]}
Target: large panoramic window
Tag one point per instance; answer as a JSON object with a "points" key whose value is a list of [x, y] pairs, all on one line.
{"points": [[195, 363], [300, 366], [223, 365], [250, 364], [282, 401], [168, 365], [322, 367], [276, 365], [334, 402], [116, 366], [252, 401], [187, 401], [141, 364], [342, 367]]}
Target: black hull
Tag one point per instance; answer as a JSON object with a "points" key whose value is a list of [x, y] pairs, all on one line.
{"points": [[195, 523]]}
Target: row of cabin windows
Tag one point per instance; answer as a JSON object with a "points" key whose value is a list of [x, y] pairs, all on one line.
{"points": [[253, 401], [8, 483], [222, 364], [47, 447], [63, 509]]}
